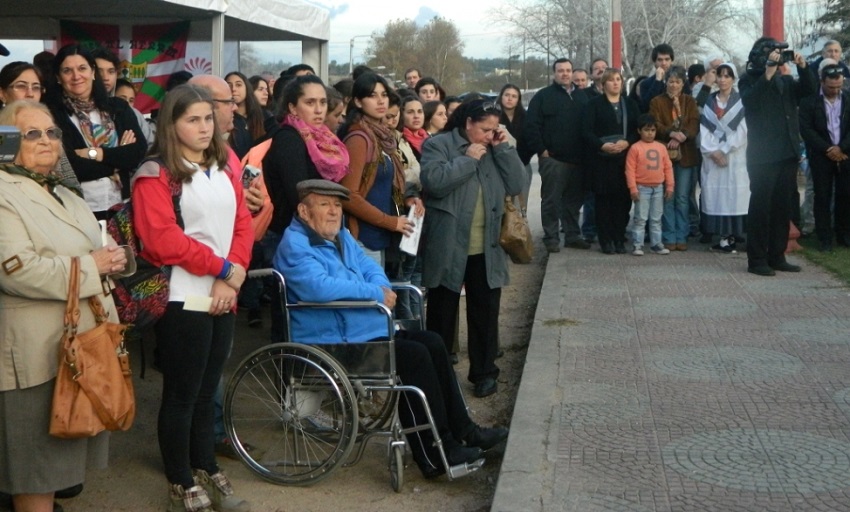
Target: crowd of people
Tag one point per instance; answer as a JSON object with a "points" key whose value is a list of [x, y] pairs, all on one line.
{"points": [[345, 173]]}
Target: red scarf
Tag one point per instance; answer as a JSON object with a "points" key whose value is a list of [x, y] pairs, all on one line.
{"points": [[416, 139], [327, 152]]}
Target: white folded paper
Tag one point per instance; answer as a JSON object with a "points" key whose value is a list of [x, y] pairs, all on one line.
{"points": [[410, 244], [197, 303]]}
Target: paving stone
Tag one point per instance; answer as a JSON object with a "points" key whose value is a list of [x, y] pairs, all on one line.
{"points": [[685, 384]]}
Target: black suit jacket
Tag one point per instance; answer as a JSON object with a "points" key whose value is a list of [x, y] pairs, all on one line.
{"points": [[770, 106], [815, 134]]}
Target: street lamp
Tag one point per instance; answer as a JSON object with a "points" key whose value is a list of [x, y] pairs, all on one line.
{"points": [[351, 53]]}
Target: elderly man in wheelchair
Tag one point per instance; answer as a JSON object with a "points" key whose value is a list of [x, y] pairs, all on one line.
{"points": [[322, 262]]}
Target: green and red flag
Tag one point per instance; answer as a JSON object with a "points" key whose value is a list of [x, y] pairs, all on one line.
{"points": [[148, 57]]}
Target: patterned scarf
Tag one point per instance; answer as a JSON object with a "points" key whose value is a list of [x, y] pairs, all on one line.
{"points": [[326, 151], [96, 136], [415, 138], [384, 135], [48, 181]]}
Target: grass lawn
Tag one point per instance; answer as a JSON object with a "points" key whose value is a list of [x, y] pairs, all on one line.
{"points": [[837, 261]]}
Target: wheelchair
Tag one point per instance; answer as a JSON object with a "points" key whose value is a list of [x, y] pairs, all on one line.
{"points": [[306, 408]]}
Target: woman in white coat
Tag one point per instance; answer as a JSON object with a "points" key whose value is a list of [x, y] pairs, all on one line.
{"points": [[724, 181]]}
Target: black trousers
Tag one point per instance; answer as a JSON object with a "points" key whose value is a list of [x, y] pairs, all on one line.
{"points": [[772, 189], [193, 348], [828, 179], [422, 361], [612, 216], [482, 318]]}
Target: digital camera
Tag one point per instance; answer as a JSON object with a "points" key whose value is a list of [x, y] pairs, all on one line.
{"points": [[10, 142]]}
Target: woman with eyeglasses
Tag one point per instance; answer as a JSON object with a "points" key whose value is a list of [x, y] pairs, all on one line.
{"points": [[466, 173], [20, 81], [379, 196], [610, 127], [100, 134], [44, 224]]}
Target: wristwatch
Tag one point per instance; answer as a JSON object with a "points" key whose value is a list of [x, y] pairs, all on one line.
{"points": [[92, 154]]}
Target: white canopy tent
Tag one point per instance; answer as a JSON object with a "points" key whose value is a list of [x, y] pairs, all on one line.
{"points": [[212, 20]]}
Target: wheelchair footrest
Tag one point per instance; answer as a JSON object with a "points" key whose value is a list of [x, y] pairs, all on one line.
{"points": [[464, 469]]}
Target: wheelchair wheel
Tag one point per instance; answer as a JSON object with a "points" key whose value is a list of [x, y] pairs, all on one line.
{"points": [[397, 466], [294, 403]]}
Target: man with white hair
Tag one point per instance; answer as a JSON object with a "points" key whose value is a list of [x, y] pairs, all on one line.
{"points": [[831, 50]]}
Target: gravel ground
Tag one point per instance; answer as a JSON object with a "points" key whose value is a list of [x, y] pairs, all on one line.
{"points": [[134, 480]]}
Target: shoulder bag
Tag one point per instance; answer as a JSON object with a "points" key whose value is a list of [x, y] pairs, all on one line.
{"points": [[515, 237], [94, 387]]}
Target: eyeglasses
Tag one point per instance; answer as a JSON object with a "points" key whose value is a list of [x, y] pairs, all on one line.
{"points": [[229, 101], [52, 134], [23, 87]]}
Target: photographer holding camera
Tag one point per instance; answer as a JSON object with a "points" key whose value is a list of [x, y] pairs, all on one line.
{"points": [[773, 151]]}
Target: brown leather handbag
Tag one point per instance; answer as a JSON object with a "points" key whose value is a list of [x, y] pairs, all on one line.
{"points": [[94, 387]]}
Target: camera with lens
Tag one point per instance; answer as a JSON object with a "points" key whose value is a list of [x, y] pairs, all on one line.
{"points": [[10, 142], [759, 55]]}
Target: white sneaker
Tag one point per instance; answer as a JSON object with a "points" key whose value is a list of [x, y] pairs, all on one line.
{"points": [[638, 251], [660, 249]]}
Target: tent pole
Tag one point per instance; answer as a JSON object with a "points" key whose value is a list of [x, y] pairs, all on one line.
{"points": [[218, 45]]}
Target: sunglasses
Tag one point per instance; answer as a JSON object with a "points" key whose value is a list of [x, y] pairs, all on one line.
{"points": [[490, 106], [52, 134], [230, 101], [832, 72]]}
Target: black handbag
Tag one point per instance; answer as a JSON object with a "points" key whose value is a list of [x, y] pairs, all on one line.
{"points": [[616, 137]]}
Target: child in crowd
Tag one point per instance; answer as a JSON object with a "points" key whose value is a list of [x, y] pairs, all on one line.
{"points": [[649, 176]]}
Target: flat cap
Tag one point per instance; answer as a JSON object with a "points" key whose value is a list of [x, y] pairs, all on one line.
{"points": [[321, 187]]}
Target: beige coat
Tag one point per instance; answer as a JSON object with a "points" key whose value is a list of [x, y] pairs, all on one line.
{"points": [[43, 235]]}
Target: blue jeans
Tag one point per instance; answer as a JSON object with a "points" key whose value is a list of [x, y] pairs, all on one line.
{"points": [[649, 207], [675, 223]]}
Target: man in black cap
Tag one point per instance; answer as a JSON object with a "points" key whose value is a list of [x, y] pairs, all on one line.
{"points": [[825, 128], [321, 263]]}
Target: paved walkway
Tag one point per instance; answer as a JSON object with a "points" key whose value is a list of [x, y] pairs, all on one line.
{"points": [[681, 382]]}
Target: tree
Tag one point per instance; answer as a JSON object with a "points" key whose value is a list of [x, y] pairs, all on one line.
{"points": [[835, 21], [395, 47], [440, 52], [578, 29], [436, 49]]}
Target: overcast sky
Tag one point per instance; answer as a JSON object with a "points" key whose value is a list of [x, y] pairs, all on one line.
{"points": [[351, 18]]}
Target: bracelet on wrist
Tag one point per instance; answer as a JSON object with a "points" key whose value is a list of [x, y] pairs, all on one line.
{"points": [[229, 273]]}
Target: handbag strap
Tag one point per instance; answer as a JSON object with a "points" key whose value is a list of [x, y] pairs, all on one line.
{"points": [[625, 117], [72, 307]]}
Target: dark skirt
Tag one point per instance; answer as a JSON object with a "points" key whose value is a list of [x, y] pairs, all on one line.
{"points": [[723, 224], [31, 460]]}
